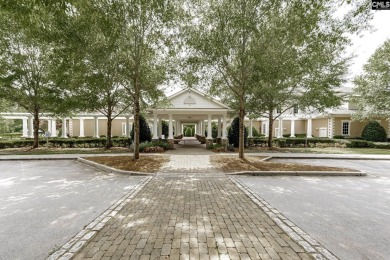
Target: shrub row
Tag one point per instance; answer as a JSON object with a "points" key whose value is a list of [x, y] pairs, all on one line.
{"points": [[289, 142], [154, 146], [66, 143], [318, 142]]}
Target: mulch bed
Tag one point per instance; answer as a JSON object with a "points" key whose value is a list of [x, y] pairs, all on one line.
{"points": [[231, 163], [147, 164]]}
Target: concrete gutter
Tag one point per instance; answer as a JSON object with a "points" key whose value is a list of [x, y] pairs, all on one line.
{"points": [[298, 173], [109, 169]]}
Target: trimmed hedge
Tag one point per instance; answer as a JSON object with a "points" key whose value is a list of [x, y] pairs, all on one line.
{"points": [[154, 146], [360, 144], [318, 142], [67, 143]]}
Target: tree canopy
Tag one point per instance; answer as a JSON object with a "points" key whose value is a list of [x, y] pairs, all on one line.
{"points": [[269, 53], [372, 88]]}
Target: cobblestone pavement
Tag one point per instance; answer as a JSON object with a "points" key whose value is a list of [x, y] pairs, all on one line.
{"points": [[191, 218], [188, 164]]}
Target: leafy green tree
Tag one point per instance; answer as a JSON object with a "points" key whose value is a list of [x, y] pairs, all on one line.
{"points": [[233, 133], [95, 62], [146, 48], [145, 134], [374, 132], [26, 62], [372, 91], [309, 68]]}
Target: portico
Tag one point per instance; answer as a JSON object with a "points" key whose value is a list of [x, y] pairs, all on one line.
{"points": [[191, 107]]}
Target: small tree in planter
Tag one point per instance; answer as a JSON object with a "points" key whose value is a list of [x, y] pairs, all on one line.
{"points": [[374, 132], [233, 133], [144, 131]]}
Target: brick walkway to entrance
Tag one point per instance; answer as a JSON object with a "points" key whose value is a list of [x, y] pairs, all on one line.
{"points": [[191, 218]]}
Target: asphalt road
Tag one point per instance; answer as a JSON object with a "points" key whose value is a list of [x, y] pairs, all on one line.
{"points": [[45, 203], [350, 216]]}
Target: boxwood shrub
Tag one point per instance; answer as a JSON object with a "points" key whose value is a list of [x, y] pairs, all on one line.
{"points": [[374, 132], [360, 144]]}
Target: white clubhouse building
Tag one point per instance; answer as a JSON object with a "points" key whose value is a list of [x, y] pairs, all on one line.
{"points": [[192, 107]]}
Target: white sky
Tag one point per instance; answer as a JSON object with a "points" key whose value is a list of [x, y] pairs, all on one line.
{"points": [[365, 46]]}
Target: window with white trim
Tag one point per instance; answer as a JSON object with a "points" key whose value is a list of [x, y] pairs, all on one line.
{"points": [[263, 128], [345, 127], [295, 109]]}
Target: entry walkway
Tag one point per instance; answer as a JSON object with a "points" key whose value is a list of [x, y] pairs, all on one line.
{"points": [[191, 218]]}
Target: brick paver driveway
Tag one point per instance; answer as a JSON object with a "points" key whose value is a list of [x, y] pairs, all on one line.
{"points": [[183, 218]]}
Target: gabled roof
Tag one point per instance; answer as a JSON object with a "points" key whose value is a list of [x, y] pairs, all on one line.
{"points": [[190, 98]]}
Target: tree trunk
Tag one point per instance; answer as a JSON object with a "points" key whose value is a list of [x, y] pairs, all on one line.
{"points": [[241, 143], [109, 130], [36, 129], [136, 125], [270, 130]]}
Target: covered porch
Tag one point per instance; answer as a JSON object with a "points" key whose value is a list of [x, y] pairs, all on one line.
{"points": [[190, 107]]}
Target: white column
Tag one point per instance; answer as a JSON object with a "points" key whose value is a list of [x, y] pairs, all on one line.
{"points": [[250, 128], [155, 128], [25, 128], [96, 128], [330, 127], [159, 127], [280, 132], [30, 127], [224, 125], [266, 134], [49, 125], [209, 131], [292, 128], [81, 127], [54, 128], [64, 128], [219, 128], [127, 126], [309, 131], [170, 133]]}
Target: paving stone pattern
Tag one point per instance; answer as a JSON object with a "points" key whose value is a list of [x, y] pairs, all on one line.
{"points": [[191, 218], [188, 164]]}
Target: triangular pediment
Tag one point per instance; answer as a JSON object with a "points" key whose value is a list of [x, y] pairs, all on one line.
{"points": [[190, 98]]}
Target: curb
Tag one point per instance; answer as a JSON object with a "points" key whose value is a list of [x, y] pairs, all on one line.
{"points": [[298, 173], [309, 244], [109, 169], [331, 158], [75, 244], [39, 159]]}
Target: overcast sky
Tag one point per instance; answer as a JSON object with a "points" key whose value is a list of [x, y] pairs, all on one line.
{"points": [[365, 46]]}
